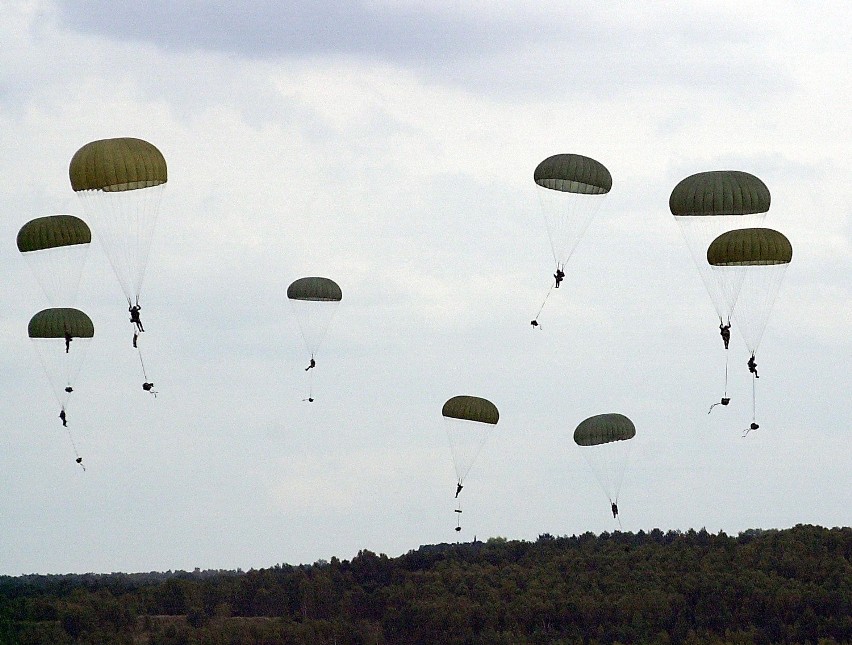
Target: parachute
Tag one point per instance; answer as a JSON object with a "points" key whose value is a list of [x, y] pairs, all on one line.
{"points": [[55, 248], [605, 440], [61, 337], [571, 188], [756, 259], [468, 421], [314, 301], [120, 182], [705, 205]]}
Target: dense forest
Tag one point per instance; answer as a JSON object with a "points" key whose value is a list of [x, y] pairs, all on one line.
{"points": [[776, 586]]}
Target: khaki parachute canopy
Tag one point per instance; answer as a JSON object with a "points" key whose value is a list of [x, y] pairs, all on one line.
{"points": [[719, 192], [750, 247], [315, 289], [571, 173], [115, 165], [53, 231], [604, 428], [56, 322], [471, 408]]}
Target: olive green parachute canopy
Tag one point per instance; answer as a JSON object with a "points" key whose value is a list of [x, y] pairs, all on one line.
{"points": [[315, 289], [53, 231], [471, 408], [750, 247], [719, 192], [604, 428], [570, 173], [56, 322], [115, 165]]}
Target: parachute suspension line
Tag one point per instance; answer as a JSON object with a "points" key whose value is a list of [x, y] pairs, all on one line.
{"points": [[461, 471], [621, 473], [598, 477]]}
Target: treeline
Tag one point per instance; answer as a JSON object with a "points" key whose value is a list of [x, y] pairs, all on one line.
{"points": [[785, 586]]}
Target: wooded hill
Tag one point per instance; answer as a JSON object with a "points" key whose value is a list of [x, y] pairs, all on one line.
{"points": [[776, 586]]}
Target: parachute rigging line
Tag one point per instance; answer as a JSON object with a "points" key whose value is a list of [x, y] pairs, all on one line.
{"points": [[145, 381], [77, 456], [544, 302], [753, 397]]}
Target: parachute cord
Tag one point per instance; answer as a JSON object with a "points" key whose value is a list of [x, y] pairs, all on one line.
{"points": [[622, 472], [726, 372], [544, 302], [142, 363], [77, 456], [753, 398]]}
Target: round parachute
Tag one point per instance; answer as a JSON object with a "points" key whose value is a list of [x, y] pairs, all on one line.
{"points": [[314, 301], [315, 290], [61, 336], [571, 189], [571, 173], [605, 440], [117, 165], [604, 428], [750, 247], [59, 322], [471, 408], [468, 422], [55, 247], [51, 232], [120, 183], [719, 193], [756, 260]]}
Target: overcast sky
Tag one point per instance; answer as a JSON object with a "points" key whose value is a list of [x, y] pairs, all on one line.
{"points": [[390, 146]]}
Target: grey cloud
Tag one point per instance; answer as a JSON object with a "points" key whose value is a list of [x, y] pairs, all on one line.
{"points": [[295, 29], [511, 55]]}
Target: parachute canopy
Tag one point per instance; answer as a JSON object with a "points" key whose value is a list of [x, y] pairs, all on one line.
{"points": [[60, 357], [315, 290], [570, 190], [571, 173], [120, 183], [604, 428], [606, 449], [754, 260], [750, 247], [719, 193], [116, 165], [55, 247], [471, 408], [56, 322], [51, 232], [468, 421]]}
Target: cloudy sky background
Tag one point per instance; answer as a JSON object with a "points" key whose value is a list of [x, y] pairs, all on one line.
{"points": [[390, 146]]}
